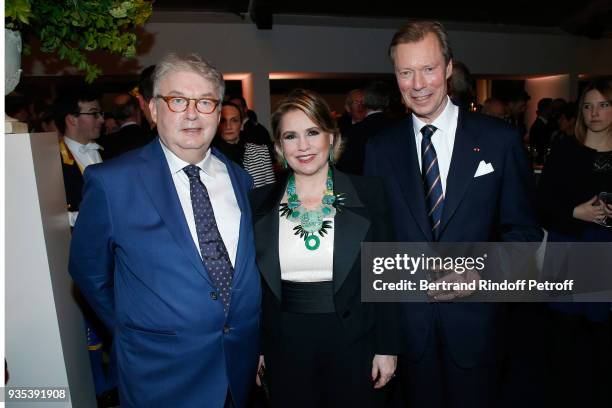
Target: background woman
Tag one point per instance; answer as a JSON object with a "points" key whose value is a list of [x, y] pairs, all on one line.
{"points": [[255, 159], [323, 347], [579, 169]]}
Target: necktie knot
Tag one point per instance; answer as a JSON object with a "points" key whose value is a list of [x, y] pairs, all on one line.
{"points": [[192, 171], [428, 131]]}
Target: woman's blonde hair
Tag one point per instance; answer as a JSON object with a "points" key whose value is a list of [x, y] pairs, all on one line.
{"points": [[315, 108]]}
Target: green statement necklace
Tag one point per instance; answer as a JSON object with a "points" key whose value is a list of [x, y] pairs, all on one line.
{"points": [[311, 222]]}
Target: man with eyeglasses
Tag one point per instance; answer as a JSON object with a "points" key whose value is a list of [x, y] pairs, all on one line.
{"points": [[163, 250], [79, 120]]}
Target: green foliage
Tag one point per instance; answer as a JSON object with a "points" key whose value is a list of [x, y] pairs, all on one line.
{"points": [[17, 13], [72, 28]]}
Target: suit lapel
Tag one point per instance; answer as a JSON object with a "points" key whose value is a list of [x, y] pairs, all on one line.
{"points": [[464, 163], [350, 230], [158, 183], [408, 175], [266, 228]]}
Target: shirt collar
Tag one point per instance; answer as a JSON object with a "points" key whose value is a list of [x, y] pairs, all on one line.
{"points": [[75, 146], [131, 122], [372, 112], [443, 122], [543, 119], [177, 164]]}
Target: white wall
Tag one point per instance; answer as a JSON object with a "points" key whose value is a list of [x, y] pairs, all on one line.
{"points": [[556, 86], [243, 48]]}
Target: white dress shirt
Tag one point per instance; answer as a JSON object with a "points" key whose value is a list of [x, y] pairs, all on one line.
{"points": [[84, 155], [215, 177], [443, 139]]}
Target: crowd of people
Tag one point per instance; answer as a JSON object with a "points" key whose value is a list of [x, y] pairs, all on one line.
{"points": [[205, 286]]}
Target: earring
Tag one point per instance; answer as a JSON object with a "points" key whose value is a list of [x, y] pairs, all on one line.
{"points": [[284, 163], [330, 157]]}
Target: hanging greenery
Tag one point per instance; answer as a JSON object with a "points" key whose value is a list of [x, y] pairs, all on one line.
{"points": [[73, 28]]}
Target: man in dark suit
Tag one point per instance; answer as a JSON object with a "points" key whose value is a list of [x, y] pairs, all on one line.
{"points": [[516, 106], [79, 118], [163, 251], [252, 131], [541, 130], [451, 176], [376, 100], [130, 134], [354, 110], [144, 96]]}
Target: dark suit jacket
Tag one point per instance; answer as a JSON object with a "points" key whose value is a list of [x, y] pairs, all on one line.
{"points": [[127, 138], [73, 177], [494, 207], [540, 134], [255, 133], [355, 139], [363, 218], [134, 259]]}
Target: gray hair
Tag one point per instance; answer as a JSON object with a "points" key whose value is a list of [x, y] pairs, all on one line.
{"points": [[189, 62], [376, 95]]}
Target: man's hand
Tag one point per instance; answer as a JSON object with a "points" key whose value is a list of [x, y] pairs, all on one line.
{"points": [[468, 276], [383, 368]]}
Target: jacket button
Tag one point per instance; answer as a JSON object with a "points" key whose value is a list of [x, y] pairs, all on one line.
{"points": [[346, 314], [213, 295], [226, 329]]}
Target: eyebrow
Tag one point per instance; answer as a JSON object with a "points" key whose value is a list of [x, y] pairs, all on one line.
{"points": [[204, 95], [305, 130]]}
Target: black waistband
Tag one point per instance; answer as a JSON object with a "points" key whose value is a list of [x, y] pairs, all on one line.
{"points": [[308, 297]]}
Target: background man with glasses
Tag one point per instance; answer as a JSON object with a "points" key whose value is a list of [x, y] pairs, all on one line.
{"points": [[163, 250], [79, 119]]}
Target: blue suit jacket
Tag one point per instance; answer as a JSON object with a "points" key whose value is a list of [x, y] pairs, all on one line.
{"points": [[495, 207], [133, 257]]}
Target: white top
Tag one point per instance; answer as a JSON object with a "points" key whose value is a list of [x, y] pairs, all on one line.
{"points": [[443, 139], [84, 154], [299, 264], [215, 177]]}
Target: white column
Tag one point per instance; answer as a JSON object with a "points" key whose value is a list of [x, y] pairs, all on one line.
{"points": [[45, 337], [256, 91]]}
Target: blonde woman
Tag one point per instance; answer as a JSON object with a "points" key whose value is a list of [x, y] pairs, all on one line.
{"points": [[323, 347]]}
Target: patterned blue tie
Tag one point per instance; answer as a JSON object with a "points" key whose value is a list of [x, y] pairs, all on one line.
{"points": [[434, 196], [214, 254]]}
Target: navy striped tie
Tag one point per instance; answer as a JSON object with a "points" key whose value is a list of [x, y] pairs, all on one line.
{"points": [[214, 254], [434, 196]]}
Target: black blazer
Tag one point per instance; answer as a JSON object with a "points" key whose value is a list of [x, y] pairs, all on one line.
{"points": [[73, 178], [362, 218], [127, 138], [356, 138], [497, 206]]}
